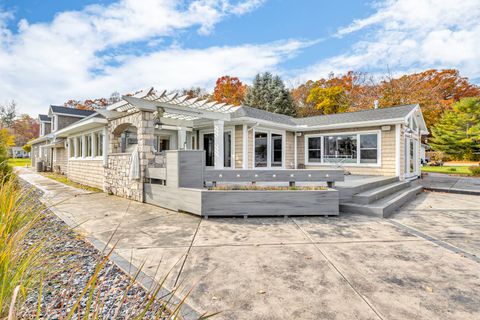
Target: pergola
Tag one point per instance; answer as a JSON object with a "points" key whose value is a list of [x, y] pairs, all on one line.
{"points": [[181, 111]]}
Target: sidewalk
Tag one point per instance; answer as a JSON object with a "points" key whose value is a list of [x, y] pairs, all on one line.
{"points": [[453, 184]]}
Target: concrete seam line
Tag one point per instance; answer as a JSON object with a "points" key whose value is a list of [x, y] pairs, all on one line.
{"points": [[436, 241], [338, 271], [454, 190], [188, 252]]}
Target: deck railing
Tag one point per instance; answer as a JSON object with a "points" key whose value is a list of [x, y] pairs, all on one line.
{"points": [[187, 169]]}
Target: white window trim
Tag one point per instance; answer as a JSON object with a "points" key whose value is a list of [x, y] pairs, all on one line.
{"points": [[83, 135], [357, 133], [269, 147], [230, 129]]}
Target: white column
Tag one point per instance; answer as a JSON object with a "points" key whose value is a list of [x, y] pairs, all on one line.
{"points": [[182, 138], [84, 146], [245, 147], [105, 146], [295, 150], [398, 172], [94, 144], [218, 137]]}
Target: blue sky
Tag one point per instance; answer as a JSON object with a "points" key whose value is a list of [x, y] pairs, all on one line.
{"points": [[56, 50]]}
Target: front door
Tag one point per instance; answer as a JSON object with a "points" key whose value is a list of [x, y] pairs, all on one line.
{"points": [[411, 157]]}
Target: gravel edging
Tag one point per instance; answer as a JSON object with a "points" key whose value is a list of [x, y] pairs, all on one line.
{"points": [[76, 258]]}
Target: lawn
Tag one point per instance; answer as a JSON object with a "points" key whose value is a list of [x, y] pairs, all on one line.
{"points": [[449, 170], [19, 162], [63, 179]]}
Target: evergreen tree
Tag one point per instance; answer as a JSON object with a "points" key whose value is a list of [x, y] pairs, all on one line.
{"points": [[458, 131], [268, 93]]}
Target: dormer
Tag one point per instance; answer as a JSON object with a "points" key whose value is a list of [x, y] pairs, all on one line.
{"points": [[64, 116], [45, 124]]}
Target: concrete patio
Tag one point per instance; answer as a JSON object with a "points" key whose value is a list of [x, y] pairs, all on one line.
{"points": [[422, 263]]}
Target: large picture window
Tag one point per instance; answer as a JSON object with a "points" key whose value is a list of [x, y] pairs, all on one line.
{"points": [[341, 149], [354, 149]]}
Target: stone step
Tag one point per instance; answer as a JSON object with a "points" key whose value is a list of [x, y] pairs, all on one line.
{"points": [[375, 194], [385, 206]]}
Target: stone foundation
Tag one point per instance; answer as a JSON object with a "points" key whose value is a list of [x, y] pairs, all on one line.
{"points": [[87, 172]]}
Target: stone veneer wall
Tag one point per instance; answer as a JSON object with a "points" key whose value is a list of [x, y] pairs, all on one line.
{"points": [[87, 172], [118, 167]]}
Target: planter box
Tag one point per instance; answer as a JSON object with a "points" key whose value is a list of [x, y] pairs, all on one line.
{"points": [[269, 203], [244, 202]]}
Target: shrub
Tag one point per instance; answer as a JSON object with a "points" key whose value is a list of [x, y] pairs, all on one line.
{"points": [[452, 169], [475, 170]]}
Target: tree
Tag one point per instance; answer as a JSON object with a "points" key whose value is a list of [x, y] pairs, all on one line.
{"points": [[27, 147], [25, 128], [458, 131], [229, 90], [194, 92], [8, 112], [92, 104], [329, 100], [434, 90], [6, 141], [268, 93]]}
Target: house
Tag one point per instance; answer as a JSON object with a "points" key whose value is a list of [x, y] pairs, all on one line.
{"points": [[48, 148], [99, 148], [17, 152]]}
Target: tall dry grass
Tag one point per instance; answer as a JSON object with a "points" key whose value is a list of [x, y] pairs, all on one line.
{"points": [[18, 261]]}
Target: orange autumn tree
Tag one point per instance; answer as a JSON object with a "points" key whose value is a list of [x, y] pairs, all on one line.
{"points": [[435, 91], [229, 90]]}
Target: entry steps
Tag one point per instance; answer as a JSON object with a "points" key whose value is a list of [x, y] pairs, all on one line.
{"points": [[381, 198]]}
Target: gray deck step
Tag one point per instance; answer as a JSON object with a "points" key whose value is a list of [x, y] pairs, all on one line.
{"points": [[375, 194], [385, 206]]}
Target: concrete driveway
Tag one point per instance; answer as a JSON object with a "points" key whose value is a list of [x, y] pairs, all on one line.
{"points": [[420, 264]]}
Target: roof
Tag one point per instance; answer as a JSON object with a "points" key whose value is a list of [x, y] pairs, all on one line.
{"points": [[71, 111], [44, 118], [245, 111], [388, 113]]}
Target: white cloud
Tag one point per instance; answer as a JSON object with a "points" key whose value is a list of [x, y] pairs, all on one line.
{"points": [[407, 35], [48, 63]]}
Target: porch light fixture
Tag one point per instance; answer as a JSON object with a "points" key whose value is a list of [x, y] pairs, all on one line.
{"points": [[274, 175]]}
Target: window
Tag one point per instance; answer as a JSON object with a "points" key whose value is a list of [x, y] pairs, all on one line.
{"points": [[88, 145], [268, 149], [99, 144], [368, 148], [209, 147], [315, 149], [227, 149], [261, 148], [276, 150], [359, 148], [340, 149], [161, 143], [78, 151], [71, 148]]}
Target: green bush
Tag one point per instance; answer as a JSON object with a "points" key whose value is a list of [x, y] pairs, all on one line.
{"points": [[475, 170], [452, 169]]}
